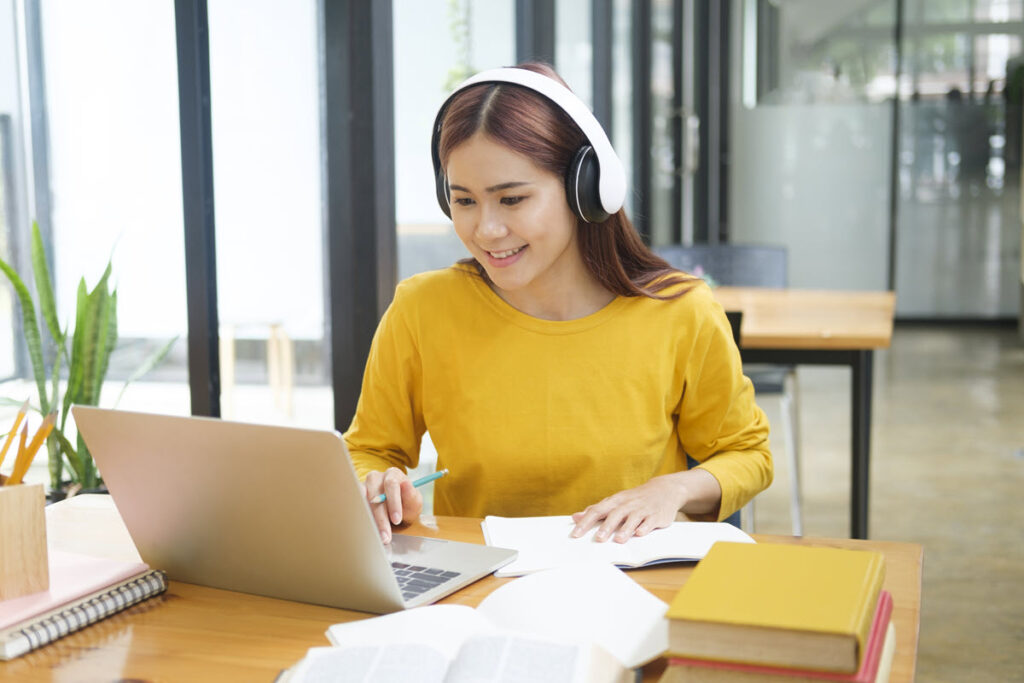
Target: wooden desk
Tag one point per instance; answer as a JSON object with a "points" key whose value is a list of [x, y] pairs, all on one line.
{"points": [[807, 327], [193, 633]]}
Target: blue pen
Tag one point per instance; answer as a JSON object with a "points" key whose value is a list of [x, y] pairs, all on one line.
{"points": [[419, 482]]}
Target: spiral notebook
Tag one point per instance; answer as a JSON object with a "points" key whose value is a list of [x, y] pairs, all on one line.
{"points": [[83, 590]]}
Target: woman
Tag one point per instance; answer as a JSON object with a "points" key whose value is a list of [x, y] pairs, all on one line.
{"points": [[564, 368]]}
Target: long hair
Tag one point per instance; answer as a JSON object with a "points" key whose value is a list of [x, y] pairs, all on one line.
{"points": [[528, 124]]}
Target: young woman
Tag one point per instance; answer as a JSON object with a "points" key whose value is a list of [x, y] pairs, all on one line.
{"points": [[563, 368]]}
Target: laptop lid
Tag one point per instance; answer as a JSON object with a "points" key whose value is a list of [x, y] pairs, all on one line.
{"points": [[262, 509]]}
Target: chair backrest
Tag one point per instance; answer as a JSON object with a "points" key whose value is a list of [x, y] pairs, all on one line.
{"points": [[740, 265], [735, 322]]}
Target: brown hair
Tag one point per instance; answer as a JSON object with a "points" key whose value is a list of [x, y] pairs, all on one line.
{"points": [[527, 123]]}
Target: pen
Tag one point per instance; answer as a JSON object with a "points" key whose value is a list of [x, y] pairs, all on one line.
{"points": [[419, 482]]}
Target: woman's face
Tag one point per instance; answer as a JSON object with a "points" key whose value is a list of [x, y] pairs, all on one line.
{"points": [[513, 217]]}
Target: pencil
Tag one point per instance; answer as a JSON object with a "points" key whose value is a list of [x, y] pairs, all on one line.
{"points": [[419, 482], [14, 430], [25, 458], [17, 459]]}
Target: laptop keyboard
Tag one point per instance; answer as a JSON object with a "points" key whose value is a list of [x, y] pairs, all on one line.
{"points": [[414, 580]]}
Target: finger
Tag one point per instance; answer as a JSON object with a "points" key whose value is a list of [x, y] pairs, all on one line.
{"points": [[587, 519], [645, 527], [612, 521], [412, 501], [629, 526], [393, 490], [373, 485]]}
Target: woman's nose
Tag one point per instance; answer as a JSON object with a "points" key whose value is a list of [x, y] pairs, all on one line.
{"points": [[491, 224]]}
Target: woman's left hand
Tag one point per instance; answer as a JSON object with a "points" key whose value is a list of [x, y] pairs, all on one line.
{"points": [[653, 505]]}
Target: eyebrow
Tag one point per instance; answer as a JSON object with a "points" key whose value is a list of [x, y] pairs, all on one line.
{"points": [[493, 188]]}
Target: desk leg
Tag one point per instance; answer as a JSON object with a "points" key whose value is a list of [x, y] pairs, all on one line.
{"points": [[861, 433]]}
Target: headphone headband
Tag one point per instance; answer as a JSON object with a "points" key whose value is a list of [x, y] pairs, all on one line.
{"points": [[611, 175]]}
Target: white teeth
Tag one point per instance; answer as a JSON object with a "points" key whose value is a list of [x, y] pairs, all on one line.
{"points": [[507, 253]]}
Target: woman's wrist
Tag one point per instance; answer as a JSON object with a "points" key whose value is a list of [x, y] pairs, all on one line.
{"points": [[699, 493]]}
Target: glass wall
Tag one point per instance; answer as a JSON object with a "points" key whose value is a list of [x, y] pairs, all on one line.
{"points": [[811, 136], [115, 177], [13, 194], [621, 133], [663, 162], [574, 53], [265, 95], [958, 237]]}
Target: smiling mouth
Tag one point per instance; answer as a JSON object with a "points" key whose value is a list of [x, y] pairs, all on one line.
{"points": [[506, 253]]}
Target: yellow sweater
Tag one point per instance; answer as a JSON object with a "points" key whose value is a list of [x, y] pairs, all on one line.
{"points": [[538, 417]]}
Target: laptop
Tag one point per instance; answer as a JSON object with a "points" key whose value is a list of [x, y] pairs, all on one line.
{"points": [[270, 510]]}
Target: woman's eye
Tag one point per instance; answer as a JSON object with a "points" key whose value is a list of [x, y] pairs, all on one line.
{"points": [[511, 201], [462, 201]]}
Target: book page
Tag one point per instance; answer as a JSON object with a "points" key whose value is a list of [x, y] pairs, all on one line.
{"points": [[440, 627], [393, 663], [544, 542], [591, 603], [515, 659]]}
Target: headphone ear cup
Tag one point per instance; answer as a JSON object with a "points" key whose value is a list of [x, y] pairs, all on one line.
{"points": [[443, 193], [581, 186]]}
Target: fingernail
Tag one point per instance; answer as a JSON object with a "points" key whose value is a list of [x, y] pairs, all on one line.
{"points": [[386, 537], [575, 533], [396, 517], [600, 536]]}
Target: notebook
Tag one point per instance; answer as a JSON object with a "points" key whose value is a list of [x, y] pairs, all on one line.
{"points": [[269, 510]]}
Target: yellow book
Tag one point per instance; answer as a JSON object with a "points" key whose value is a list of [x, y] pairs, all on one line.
{"points": [[778, 605]]}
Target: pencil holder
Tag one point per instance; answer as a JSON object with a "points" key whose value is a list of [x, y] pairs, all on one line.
{"points": [[24, 567]]}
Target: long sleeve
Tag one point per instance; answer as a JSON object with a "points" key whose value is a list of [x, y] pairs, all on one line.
{"points": [[388, 424], [720, 425]]}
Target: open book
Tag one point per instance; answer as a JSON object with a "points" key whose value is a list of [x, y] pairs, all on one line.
{"points": [[544, 542], [581, 624]]}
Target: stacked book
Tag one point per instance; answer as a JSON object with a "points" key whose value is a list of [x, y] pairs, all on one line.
{"points": [[83, 589], [774, 612]]}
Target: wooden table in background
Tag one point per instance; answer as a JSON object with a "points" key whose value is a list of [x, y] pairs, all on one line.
{"points": [[194, 633], [809, 327]]}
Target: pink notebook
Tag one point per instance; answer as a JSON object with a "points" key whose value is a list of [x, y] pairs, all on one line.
{"points": [[72, 576]]}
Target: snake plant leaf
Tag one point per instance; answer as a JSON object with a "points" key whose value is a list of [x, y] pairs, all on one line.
{"points": [[44, 286], [88, 479], [55, 380], [148, 364], [72, 455], [95, 346], [76, 370], [31, 331], [107, 327]]}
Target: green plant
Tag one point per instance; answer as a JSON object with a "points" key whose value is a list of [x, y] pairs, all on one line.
{"points": [[86, 359]]}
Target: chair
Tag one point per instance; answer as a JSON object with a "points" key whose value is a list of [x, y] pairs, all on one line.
{"points": [[752, 266]]}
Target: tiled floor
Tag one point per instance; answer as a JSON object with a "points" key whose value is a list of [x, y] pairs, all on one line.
{"points": [[947, 472]]}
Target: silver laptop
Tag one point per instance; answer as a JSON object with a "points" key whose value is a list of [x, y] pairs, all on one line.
{"points": [[274, 511]]}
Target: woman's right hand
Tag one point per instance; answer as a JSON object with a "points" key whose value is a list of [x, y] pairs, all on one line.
{"points": [[404, 501]]}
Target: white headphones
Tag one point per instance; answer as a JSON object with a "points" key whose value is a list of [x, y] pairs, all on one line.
{"points": [[595, 183]]}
